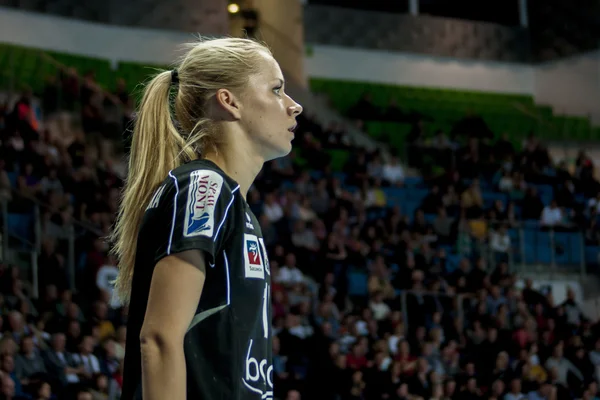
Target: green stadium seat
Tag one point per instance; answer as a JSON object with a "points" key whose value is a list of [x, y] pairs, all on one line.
{"points": [[514, 114], [339, 158]]}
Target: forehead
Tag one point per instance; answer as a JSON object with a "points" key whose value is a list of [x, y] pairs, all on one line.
{"points": [[268, 70]]}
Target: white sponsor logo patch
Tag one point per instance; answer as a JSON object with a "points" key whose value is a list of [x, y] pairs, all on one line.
{"points": [[254, 266], [203, 194]]}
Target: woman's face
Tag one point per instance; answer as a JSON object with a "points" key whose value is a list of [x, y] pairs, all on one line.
{"points": [[264, 111]]}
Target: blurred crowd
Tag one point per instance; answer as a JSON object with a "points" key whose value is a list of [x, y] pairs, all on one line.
{"points": [[419, 330]]}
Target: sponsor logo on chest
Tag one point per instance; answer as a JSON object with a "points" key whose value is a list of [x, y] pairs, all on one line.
{"points": [[254, 266]]}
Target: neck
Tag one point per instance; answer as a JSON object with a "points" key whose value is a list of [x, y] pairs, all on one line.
{"points": [[239, 164]]}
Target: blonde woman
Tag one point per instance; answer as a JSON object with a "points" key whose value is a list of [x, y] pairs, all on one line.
{"points": [[197, 279]]}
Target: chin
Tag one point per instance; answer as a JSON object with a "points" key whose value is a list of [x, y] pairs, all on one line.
{"points": [[279, 151]]}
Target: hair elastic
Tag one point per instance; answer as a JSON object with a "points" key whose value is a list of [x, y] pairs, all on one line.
{"points": [[174, 76]]}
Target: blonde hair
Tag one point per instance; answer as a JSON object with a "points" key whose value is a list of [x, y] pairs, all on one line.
{"points": [[158, 145]]}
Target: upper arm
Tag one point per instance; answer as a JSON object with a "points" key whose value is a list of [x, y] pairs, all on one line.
{"points": [[175, 290]]}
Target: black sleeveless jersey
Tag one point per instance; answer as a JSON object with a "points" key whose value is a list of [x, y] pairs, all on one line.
{"points": [[228, 344]]}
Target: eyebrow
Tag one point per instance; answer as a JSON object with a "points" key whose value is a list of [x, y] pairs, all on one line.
{"points": [[281, 81]]}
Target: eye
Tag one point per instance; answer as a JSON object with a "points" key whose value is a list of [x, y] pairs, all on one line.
{"points": [[277, 90]]}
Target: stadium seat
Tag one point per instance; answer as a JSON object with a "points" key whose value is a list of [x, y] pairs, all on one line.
{"points": [[20, 226], [357, 283]]}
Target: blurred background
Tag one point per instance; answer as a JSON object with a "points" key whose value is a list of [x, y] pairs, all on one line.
{"points": [[434, 234]]}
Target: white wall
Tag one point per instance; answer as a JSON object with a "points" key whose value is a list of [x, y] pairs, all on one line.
{"points": [[417, 70], [571, 85], [91, 39]]}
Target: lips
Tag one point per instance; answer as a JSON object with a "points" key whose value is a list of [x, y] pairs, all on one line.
{"points": [[293, 128]]}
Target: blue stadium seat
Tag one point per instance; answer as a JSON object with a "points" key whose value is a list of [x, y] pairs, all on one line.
{"points": [[546, 193], [357, 283], [531, 224], [580, 198], [413, 181], [417, 194], [567, 248], [430, 218], [591, 255], [448, 248], [490, 197], [21, 226], [453, 262], [518, 211], [12, 177], [287, 185], [340, 175], [537, 246], [315, 174]]}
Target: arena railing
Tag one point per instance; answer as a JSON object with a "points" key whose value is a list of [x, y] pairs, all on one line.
{"points": [[533, 247], [24, 228], [449, 304], [24, 68]]}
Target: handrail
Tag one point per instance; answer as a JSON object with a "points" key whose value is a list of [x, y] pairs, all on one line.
{"points": [[519, 247], [116, 101], [37, 240], [48, 207], [519, 107], [459, 297]]}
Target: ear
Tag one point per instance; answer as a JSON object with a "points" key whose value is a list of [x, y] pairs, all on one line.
{"points": [[228, 104]]}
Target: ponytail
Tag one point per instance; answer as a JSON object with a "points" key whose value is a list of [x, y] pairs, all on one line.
{"points": [[156, 148]]}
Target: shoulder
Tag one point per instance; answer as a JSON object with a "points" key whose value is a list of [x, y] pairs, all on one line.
{"points": [[202, 176], [202, 198]]}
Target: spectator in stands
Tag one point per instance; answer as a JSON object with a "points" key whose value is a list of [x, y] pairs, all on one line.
{"points": [[59, 363], [552, 215], [561, 366], [5, 184], [289, 274], [574, 316], [84, 394], [393, 173], [42, 391], [471, 200], [29, 363], [532, 205], [272, 209], [500, 244], [86, 358], [365, 108], [433, 201]]}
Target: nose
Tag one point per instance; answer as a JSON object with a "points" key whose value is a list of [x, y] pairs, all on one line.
{"points": [[295, 109]]}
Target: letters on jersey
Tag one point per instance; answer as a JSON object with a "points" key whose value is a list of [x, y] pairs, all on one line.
{"points": [[257, 372], [156, 197], [254, 267], [266, 256], [203, 194]]}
